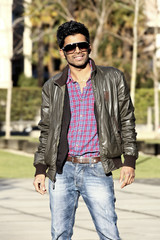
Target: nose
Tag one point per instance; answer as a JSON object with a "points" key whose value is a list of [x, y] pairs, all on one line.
{"points": [[77, 50]]}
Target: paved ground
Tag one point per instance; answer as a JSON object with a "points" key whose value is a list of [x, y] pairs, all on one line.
{"points": [[24, 214]]}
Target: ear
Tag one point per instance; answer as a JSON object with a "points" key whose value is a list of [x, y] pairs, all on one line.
{"points": [[89, 49], [62, 53]]}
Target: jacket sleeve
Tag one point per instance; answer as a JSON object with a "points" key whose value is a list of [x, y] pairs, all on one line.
{"points": [[39, 159], [127, 120]]}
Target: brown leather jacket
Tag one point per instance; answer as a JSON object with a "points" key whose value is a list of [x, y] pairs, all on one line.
{"points": [[114, 115]]}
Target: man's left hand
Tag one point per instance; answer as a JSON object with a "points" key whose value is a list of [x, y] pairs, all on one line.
{"points": [[127, 176]]}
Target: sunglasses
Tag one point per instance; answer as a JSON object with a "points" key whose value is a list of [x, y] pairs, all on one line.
{"points": [[70, 48]]}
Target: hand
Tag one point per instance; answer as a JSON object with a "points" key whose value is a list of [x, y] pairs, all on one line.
{"points": [[127, 176], [39, 184]]}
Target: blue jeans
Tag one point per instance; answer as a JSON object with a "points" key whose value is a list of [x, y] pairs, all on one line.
{"points": [[97, 190]]}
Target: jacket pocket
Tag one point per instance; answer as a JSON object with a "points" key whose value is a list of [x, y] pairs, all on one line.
{"points": [[106, 95]]}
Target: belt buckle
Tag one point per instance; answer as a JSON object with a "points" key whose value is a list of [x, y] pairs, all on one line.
{"points": [[80, 159]]}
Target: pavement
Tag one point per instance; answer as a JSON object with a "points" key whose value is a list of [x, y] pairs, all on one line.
{"points": [[24, 214]]}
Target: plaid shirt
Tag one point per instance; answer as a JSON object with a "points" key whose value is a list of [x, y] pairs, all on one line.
{"points": [[82, 134]]}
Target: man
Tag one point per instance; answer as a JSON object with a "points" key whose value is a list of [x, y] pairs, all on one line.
{"points": [[87, 123]]}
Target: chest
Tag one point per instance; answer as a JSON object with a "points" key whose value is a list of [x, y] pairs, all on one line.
{"points": [[81, 99]]}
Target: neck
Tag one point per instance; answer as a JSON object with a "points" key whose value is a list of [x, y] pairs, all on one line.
{"points": [[81, 74]]}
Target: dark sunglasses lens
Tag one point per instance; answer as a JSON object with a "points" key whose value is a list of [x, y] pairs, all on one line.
{"points": [[83, 45], [70, 48]]}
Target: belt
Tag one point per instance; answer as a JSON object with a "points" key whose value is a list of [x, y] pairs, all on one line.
{"points": [[83, 159]]}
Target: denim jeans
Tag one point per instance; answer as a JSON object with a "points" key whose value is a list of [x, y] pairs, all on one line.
{"points": [[97, 190]]}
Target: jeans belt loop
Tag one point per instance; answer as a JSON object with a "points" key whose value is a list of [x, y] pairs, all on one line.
{"points": [[81, 160]]}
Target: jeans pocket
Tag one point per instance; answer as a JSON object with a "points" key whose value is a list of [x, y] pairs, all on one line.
{"points": [[98, 170]]}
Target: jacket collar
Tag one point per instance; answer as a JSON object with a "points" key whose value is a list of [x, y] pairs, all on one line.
{"points": [[63, 78]]}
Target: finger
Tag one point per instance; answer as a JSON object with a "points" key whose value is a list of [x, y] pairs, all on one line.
{"points": [[126, 180], [40, 190], [39, 183], [42, 187], [131, 179], [121, 176], [38, 186]]}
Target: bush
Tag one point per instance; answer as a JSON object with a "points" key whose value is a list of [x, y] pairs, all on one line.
{"points": [[24, 81], [144, 98], [25, 103]]}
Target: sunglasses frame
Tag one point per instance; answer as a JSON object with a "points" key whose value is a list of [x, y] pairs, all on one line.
{"points": [[74, 49]]}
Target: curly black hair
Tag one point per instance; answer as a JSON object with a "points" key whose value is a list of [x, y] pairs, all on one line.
{"points": [[71, 28]]}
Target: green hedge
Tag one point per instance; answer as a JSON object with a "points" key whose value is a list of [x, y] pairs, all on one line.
{"points": [[26, 103], [144, 98]]}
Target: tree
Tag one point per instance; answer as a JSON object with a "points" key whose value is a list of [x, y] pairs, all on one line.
{"points": [[17, 25], [42, 16], [134, 55], [102, 10], [152, 8], [113, 22], [110, 24], [155, 72], [46, 16]]}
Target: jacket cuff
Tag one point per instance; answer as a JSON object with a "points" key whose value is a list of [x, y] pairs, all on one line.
{"points": [[130, 161], [40, 169]]}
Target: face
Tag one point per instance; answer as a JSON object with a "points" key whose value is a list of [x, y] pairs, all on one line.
{"points": [[79, 58]]}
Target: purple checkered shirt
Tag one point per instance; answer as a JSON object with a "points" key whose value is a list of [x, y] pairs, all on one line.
{"points": [[82, 134]]}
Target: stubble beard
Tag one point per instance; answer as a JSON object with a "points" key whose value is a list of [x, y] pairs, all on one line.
{"points": [[82, 66]]}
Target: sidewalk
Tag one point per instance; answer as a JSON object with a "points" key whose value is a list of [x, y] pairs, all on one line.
{"points": [[24, 214]]}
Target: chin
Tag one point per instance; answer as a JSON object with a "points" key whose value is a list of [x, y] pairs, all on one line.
{"points": [[81, 64]]}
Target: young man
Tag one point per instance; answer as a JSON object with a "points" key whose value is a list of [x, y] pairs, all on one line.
{"points": [[87, 123]]}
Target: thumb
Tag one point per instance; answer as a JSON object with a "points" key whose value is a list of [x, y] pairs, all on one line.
{"points": [[121, 176], [43, 185]]}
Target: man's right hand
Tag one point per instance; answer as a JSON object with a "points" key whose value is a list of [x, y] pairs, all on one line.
{"points": [[39, 183]]}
